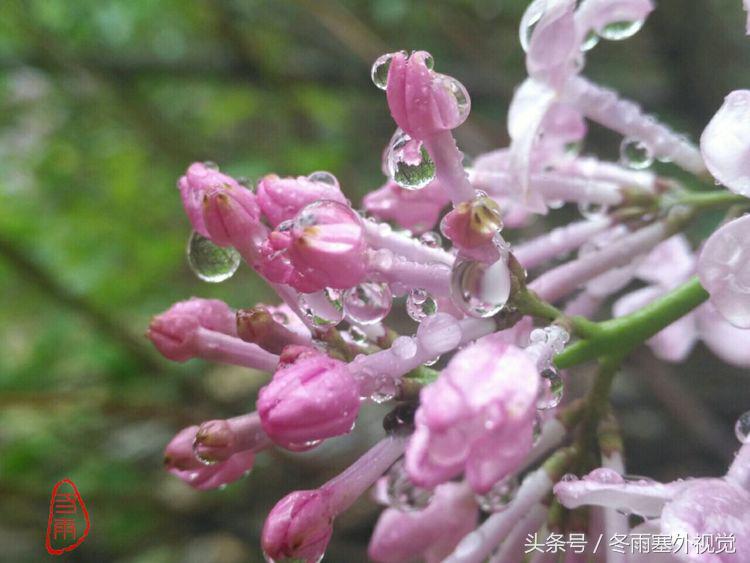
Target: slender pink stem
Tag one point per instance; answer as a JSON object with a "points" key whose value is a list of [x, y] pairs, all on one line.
{"points": [[249, 432], [563, 280], [434, 278], [220, 347], [476, 546], [381, 236], [449, 166], [349, 485], [596, 169], [512, 548], [558, 242], [604, 106]]}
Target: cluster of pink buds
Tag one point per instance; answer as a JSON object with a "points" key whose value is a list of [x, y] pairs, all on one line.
{"points": [[482, 447]]}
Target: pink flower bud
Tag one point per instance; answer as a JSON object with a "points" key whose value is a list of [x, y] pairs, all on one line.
{"points": [[313, 398], [258, 325], [421, 101], [219, 207], [724, 270], [173, 332], [325, 247], [417, 210], [299, 527], [281, 199], [477, 417], [472, 227], [181, 461], [430, 534]]}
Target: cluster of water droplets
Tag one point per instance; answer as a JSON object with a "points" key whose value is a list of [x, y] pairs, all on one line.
{"points": [[500, 495], [210, 262], [545, 344]]}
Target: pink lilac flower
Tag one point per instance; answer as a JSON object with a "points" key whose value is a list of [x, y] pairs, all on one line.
{"points": [[280, 199], [429, 534], [216, 453], [689, 507], [477, 417], [312, 398], [205, 328], [724, 270]]}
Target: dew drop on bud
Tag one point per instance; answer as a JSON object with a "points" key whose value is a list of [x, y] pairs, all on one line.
{"points": [[402, 494], [210, 262], [211, 165], [459, 93], [429, 61], [379, 71], [552, 389], [201, 459], [323, 177], [568, 478], [404, 347], [420, 305], [635, 154], [368, 302], [480, 289], [742, 428], [617, 31], [408, 162], [324, 309], [431, 239], [499, 496]]}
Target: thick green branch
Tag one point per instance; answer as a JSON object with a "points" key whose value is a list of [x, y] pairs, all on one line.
{"points": [[625, 333]]}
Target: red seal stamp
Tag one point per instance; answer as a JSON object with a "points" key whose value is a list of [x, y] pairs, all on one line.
{"points": [[68, 523]]}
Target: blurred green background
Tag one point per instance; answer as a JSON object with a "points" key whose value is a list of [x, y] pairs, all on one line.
{"points": [[104, 103]]}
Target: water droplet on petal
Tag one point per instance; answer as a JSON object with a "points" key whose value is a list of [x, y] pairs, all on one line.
{"points": [[568, 477], [368, 303], [458, 91], [480, 289], [210, 262], [211, 165], [499, 496], [386, 389], [617, 31], [201, 459], [431, 239], [552, 389], [591, 41], [408, 162], [404, 347], [420, 304], [379, 70], [324, 309], [323, 177], [402, 494], [635, 154], [742, 428]]}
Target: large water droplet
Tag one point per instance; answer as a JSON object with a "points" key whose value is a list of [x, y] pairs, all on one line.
{"points": [[617, 31], [742, 428], [420, 304], [379, 70], [201, 459], [499, 496], [459, 93], [404, 347], [431, 239], [386, 388], [635, 154], [324, 309], [408, 162], [402, 494], [323, 177], [552, 389], [210, 262], [480, 289], [368, 302]]}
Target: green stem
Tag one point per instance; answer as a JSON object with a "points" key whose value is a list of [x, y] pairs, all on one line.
{"points": [[705, 200], [529, 303], [619, 336]]}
